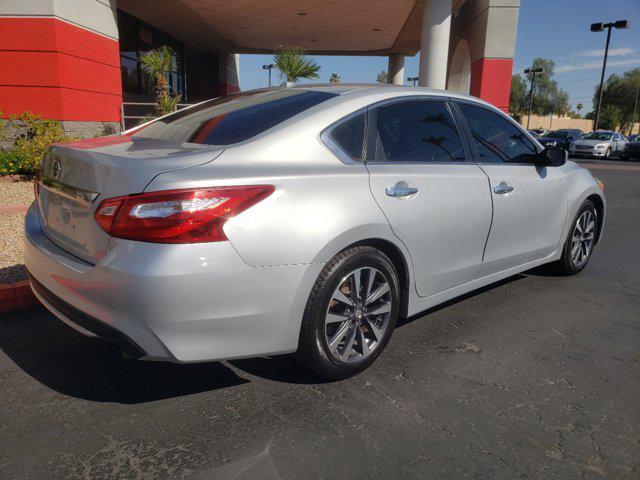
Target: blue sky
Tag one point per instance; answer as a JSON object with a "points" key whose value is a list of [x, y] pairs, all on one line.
{"points": [[555, 29]]}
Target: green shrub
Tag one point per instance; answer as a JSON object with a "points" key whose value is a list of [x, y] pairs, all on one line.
{"points": [[36, 134], [9, 162]]}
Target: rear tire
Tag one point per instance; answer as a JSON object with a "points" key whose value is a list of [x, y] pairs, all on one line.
{"points": [[580, 241], [351, 313]]}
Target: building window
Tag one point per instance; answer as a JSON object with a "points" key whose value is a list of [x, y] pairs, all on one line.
{"points": [[137, 37]]}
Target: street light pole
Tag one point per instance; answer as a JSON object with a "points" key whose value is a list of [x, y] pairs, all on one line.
{"points": [[533, 72], [599, 27], [412, 79], [268, 67], [633, 118]]}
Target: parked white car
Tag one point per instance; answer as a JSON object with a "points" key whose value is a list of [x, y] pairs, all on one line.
{"points": [[601, 143], [298, 219]]}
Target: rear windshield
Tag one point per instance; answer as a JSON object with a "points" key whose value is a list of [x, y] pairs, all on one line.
{"points": [[232, 119], [597, 136]]}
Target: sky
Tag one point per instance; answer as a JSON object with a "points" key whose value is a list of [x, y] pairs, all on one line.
{"points": [[554, 29]]}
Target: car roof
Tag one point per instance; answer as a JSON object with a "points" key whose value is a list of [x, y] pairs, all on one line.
{"points": [[341, 88]]}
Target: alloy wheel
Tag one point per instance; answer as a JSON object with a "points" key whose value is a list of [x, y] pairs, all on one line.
{"points": [[358, 314], [582, 238]]}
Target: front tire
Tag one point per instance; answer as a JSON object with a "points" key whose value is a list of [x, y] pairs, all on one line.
{"points": [[351, 313], [579, 244]]}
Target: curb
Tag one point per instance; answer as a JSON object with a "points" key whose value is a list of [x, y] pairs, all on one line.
{"points": [[17, 296]]}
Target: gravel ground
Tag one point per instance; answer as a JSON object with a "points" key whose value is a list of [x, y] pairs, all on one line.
{"points": [[13, 191]]}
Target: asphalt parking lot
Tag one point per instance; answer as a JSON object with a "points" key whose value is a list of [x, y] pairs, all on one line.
{"points": [[537, 377]]}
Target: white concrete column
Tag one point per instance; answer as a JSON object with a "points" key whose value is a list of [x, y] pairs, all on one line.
{"points": [[396, 69], [434, 46]]}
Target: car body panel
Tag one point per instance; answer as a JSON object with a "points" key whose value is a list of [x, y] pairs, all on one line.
{"points": [[527, 222], [447, 256]]}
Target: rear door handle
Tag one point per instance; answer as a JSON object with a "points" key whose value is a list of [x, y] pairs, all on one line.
{"points": [[400, 191], [503, 188]]}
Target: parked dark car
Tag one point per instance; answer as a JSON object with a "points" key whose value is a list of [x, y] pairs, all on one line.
{"points": [[632, 149], [560, 138], [634, 138]]}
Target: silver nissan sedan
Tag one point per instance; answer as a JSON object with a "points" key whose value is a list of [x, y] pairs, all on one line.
{"points": [[298, 219]]}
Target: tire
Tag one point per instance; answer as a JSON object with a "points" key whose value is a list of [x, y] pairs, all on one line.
{"points": [[335, 348], [568, 264], [607, 154]]}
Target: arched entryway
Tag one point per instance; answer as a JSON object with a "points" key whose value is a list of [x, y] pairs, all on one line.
{"points": [[460, 69]]}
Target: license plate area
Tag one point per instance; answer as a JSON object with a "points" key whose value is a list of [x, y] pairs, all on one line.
{"points": [[65, 211]]}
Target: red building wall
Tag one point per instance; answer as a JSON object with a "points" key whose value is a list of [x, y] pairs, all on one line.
{"points": [[491, 81], [58, 70]]}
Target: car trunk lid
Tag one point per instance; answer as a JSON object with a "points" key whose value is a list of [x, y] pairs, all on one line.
{"points": [[77, 176]]}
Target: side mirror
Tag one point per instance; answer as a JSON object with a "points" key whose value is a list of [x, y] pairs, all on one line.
{"points": [[553, 157]]}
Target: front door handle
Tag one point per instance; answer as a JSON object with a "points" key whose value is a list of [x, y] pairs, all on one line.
{"points": [[400, 191], [503, 188]]}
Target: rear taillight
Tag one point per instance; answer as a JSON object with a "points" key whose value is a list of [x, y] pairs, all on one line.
{"points": [[177, 216]]}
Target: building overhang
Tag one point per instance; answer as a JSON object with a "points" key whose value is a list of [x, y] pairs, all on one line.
{"points": [[323, 27]]}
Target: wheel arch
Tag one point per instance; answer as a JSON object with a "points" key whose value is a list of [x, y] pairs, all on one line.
{"points": [[599, 204], [399, 261]]}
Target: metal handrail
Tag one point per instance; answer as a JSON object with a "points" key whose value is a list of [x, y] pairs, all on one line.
{"points": [[124, 117]]}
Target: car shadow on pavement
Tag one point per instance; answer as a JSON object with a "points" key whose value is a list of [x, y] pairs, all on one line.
{"points": [[92, 369], [461, 298]]}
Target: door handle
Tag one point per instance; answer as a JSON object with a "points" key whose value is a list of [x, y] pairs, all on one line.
{"points": [[399, 191], [503, 188]]}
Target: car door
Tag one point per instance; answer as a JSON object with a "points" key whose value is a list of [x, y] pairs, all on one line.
{"points": [[529, 201], [435, 197]]}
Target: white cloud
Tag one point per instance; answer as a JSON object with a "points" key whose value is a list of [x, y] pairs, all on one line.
{"points": [[613, 52], [596, 64]]}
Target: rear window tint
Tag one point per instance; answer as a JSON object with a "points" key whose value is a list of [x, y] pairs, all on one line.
{"points": [[232, 119]]}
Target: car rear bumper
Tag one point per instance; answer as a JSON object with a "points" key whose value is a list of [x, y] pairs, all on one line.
{"points": [[180, 303]]}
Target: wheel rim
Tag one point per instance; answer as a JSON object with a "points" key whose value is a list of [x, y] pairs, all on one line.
{"points": [[358, 314], [582, 238]]}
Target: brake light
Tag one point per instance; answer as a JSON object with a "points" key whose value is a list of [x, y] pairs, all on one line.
{"points": [[177, 216]]}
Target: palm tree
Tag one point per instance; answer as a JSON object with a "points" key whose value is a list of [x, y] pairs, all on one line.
{"points": [[334, 78], [159, 63], [294, 64], [579, 107]]}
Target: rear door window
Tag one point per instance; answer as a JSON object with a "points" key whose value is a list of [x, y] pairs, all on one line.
{"points": [[417, 131], [233, 119]]}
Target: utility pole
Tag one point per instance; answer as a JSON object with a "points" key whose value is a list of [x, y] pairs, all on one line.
{"points": [[599, 27], [268, 67], [533, 72], [413, 79], [633, 118]]}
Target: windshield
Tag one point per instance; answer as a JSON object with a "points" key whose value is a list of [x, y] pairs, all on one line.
{"points": [[597, 136], [234, 118], [557, 134]]}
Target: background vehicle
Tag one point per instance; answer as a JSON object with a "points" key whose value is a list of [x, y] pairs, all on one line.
{"points": [[539, 131], [601, 143], [250, 225], [633, 138], [533, 133], [632, 149], [560, 138]]}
